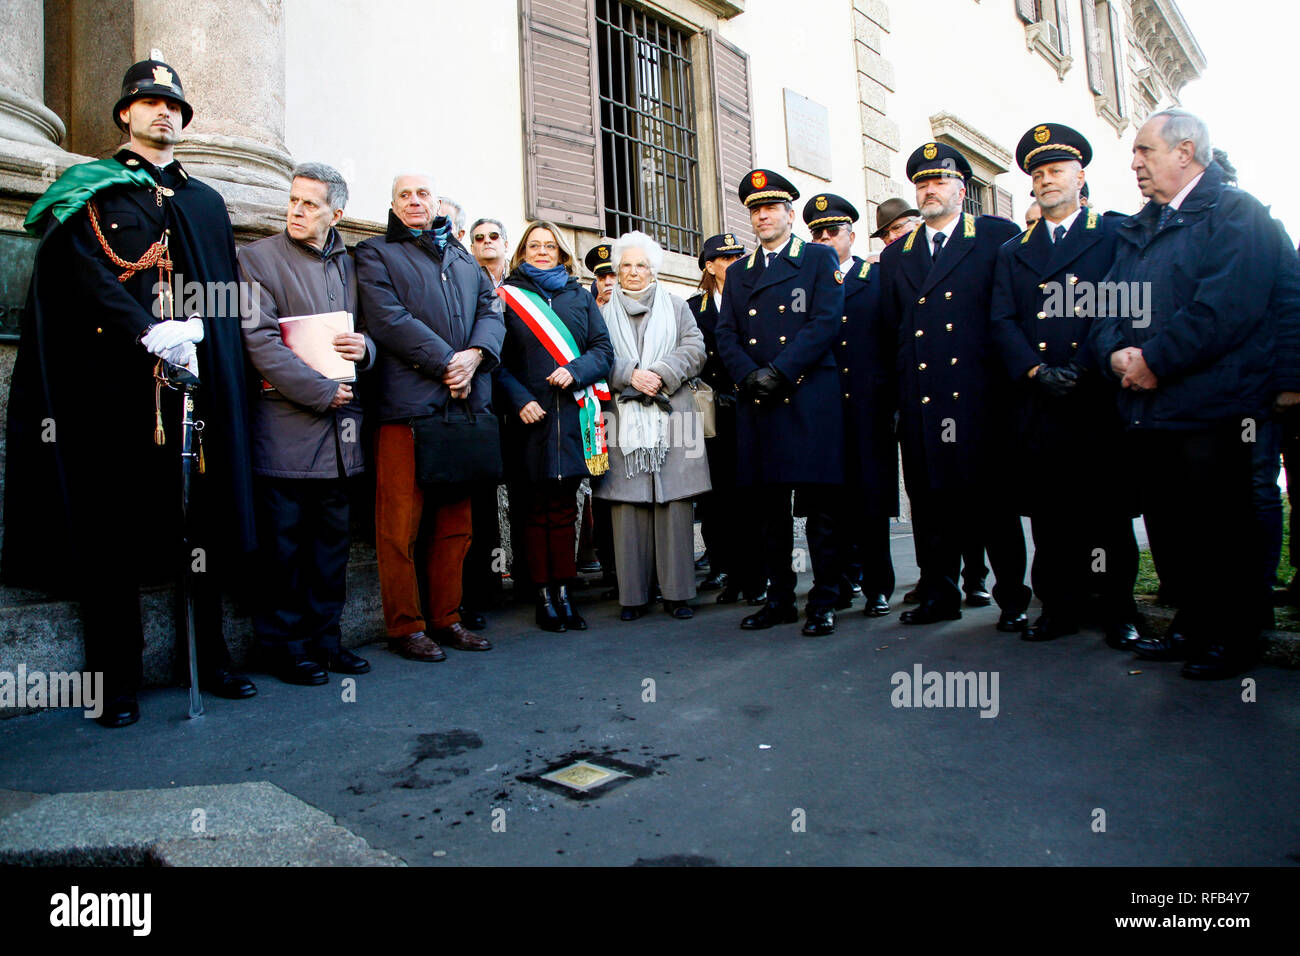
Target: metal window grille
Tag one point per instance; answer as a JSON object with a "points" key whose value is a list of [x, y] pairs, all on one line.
{"points": [[647, 125], [976, 192]]}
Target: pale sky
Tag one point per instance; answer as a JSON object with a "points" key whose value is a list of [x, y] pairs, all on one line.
{"points": [[1250, 77]]}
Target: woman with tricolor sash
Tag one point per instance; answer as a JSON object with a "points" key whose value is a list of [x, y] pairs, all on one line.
{"points": [[551, 383], [657, 459]]}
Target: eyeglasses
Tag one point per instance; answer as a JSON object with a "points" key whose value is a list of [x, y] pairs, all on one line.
{"points": [[540, 246], [823, 231], [494, 236]]}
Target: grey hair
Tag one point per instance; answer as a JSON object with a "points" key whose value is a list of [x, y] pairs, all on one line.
{"points": [[1229, 170], [433, 183], [1180, 124], [336, 187], [654, 252], [457, 217], [495, 222]]}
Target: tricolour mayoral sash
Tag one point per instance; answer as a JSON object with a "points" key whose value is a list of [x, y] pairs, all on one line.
{"points": [[537, 314]]}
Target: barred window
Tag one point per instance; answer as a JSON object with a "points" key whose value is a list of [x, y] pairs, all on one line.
{"points": [[976, 193], [647, 127]]}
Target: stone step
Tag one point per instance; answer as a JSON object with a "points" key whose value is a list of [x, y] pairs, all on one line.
{"points": [[45, 635], [243, 824]]}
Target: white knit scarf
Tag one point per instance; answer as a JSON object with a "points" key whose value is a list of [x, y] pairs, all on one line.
{"points": [[642, 429]]}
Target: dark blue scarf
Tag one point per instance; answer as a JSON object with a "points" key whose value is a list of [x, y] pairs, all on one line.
{"points": [[550, 280], [439, 233]]}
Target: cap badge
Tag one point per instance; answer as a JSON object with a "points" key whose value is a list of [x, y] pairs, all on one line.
{"points": [[1041, 134], [821, 204], [602, 251], [162, 76], [758, 179], [930, 151], [730, 240]]}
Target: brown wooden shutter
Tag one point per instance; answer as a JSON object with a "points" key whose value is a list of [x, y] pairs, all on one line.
{"points": [[1063, 27], [561, 118], [733, 126], [1117, 51], [1002, 203], [1092, 47], [1028, 10]]}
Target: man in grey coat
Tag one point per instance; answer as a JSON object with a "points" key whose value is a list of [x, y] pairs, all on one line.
{"points": [[306, 433]]}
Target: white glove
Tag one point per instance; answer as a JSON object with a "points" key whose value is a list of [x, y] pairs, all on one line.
{"points": [[181, 355], [169, 334]]}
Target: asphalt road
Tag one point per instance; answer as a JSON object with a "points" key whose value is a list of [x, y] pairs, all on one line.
{"points": [[758, 748]]}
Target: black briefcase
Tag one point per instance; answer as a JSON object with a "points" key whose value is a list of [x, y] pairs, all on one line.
{"points": [[457, 446]]}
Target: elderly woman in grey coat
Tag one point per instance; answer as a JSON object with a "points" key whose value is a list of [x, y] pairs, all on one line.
{"points": [[656, 439]]}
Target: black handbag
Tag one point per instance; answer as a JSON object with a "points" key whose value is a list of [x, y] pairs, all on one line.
{"points": [[457, 446]]}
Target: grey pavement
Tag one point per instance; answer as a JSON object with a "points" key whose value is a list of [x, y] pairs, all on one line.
{"points": [[759, 748]]}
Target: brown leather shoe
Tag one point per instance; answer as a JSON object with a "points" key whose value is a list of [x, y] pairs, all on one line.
{"points": [[460, 637], [416, 647]]}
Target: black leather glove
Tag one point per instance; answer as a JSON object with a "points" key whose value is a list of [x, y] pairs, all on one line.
{"points": [[1057, 380], [763, 382]]}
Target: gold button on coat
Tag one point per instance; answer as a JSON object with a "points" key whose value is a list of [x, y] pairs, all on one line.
{"points": [[921, 301]]}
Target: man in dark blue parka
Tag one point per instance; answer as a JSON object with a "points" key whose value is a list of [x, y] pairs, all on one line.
{"points": [[1195, 358]]}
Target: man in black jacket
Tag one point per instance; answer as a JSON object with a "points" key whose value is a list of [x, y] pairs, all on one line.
{"points": [[781, 309], [93, 491], [431, 310], [1044, 300], [1196, 365], [954, 395]]}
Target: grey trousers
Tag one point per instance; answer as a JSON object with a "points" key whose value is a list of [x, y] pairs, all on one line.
{"points": [[650, 538]]}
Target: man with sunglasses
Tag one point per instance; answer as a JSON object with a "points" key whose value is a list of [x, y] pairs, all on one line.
{"points": [[865, 356], [490, 247]]}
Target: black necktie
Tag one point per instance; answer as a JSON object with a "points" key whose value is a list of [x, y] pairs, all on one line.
{"points": [[1058, 233], [770, 257], [938, 243]]}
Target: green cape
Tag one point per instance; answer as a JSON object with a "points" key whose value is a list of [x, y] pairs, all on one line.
{"points": [[71, 191]]}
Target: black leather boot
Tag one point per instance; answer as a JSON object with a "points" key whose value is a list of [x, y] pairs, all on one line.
{"points": [[564, 608], [548, 619]]}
